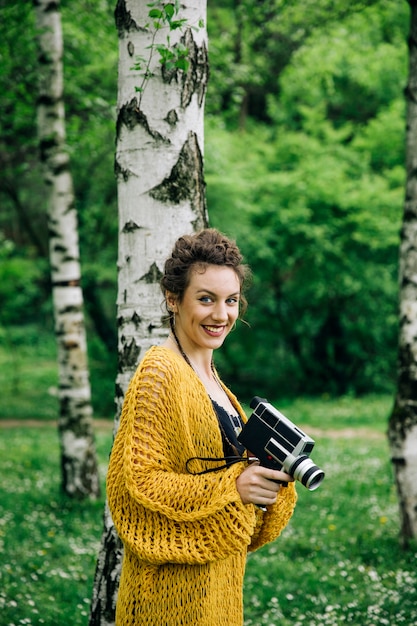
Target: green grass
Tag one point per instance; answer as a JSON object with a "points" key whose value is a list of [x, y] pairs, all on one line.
{"points": [[48, 543], [344, 412], [338, 562], [29, 375]]}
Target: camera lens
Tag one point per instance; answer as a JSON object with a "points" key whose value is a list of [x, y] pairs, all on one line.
{"points": [[304, 470]]}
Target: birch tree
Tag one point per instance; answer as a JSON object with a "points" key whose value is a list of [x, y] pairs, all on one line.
{"points": [[78, 456], [163, 72], [402, 430]]}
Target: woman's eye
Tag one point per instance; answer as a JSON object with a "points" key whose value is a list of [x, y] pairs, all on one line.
{"points": [[209, 300]]}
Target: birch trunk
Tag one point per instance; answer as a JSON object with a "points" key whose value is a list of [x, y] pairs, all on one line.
{"points": [[161, 195], [402, 430], [78, 456]]}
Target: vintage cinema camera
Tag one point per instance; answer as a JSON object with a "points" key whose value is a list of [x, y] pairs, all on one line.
{"points": [[279, 444]]}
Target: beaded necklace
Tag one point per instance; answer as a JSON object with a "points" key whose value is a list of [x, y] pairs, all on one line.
{"points": [[236, 425]]}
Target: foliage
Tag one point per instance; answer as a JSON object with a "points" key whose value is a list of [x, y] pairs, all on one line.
{"points": [[170, 57], [28, 373], [90, 42], [321, 236], [251, 44], [338, 562], [20, 184], [90, 102], [21, 285], [316, 206], [304, 165], [342, 89]]}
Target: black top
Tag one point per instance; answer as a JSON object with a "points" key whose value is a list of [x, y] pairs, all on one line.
{"points": [[228, 423]]}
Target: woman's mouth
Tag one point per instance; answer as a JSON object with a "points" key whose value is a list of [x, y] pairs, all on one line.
{"points": [[214, 330]]}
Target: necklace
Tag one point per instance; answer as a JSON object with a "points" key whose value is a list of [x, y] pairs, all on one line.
{"points": [[186, 359], [234, 420]]}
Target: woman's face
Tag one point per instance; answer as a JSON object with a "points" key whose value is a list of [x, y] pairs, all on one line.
{"points": [[209, 308]]}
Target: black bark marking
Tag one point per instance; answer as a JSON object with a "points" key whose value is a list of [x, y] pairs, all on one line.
{"points": [[153, 275], [136, 319], [123, 18], [131, 116], [172, 117], [130, 227], [404, 414], [48, 100], [186, 180], [51, 7], [119, 171], [196, 78], [70, 309], [103, 606], [130, 355], [73, 282]]}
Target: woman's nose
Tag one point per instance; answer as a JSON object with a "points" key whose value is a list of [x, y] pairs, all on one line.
{"points": [[220, 312]]}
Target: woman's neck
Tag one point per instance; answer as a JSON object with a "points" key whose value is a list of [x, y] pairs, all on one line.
{"points": [[200, 360], [203, 368]]}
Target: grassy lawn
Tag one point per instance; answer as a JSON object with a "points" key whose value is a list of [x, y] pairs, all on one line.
{"points": [[29, 375], [338, 562], [47, 542]]}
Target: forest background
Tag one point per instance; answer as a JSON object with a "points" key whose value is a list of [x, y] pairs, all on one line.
{"points": [[304, 165]]}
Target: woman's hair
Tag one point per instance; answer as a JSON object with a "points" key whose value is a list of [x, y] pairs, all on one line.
{"points": [[207, 247]]}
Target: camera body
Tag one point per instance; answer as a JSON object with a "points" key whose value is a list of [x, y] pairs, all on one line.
{"points": [[280, 444]]}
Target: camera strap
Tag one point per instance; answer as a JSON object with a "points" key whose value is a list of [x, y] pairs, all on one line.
{"points": [[229, 460]]}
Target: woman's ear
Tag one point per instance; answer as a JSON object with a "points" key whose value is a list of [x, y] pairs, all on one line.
{"points": [[171, 301]]}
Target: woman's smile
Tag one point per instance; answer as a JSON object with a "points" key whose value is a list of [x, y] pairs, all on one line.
{"points": [[214, 330]]}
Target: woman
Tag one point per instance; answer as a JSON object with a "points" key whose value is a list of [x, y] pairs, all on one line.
{"points": [[186, 513]]}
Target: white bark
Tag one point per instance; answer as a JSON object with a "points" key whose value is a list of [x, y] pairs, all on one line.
{"points": [[403, 421], [152, 136], [78, 457], [161, 196]]}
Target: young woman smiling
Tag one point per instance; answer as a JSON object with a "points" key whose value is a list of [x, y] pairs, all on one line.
{"points": [[185, 510]]}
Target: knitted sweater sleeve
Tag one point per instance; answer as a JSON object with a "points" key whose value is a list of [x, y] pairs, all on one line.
{"points": [[162, 513], [272, 523]]}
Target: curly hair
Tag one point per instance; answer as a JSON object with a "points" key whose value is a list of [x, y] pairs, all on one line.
{"points": [[207, 247]]}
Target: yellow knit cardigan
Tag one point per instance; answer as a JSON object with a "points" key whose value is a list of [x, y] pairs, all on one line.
{"points": [[185, 536]]}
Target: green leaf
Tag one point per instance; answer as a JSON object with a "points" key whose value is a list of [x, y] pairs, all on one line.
{"points": [[169, 11], [139, 64], [156, 14], [177, 24], [182, 64]]}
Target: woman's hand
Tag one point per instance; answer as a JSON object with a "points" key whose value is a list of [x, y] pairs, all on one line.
{"points": [[257, 484]]}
